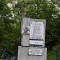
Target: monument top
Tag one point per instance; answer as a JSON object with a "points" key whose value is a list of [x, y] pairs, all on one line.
{"points": [[26, 24]]}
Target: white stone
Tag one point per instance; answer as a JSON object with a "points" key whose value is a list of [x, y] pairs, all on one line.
{"points": [[25, 30], [35, 52], [36, 30], [23, 54], [35, 42]]}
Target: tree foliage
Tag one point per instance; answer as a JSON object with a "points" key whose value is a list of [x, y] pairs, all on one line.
{"points": [[10, 22], [9, 28], [42, 9]]}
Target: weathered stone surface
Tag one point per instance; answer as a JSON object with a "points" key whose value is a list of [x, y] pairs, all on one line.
{"points": [[37, 30], [26, 34], [26, 23], [33, 40], [19, 52], [23, 54], [25, 26], [36, 42], [35, 52], [26, 42]]}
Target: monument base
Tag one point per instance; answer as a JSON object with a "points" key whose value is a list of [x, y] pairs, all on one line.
{"points": [[32, 53]]}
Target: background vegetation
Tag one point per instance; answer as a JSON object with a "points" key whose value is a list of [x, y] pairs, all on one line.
{"points": [[10, 23]]}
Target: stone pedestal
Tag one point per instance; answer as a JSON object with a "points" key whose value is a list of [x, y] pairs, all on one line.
{"points": [[23, 54]]}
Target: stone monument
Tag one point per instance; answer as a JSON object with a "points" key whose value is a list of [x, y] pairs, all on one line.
{"points": [[33, 40]]}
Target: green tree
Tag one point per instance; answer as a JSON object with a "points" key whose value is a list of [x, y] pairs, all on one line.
{"points": [[9, 28], [42, 9]]}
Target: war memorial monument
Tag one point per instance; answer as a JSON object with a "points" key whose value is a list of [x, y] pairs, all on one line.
{"points": [[33, 40]]}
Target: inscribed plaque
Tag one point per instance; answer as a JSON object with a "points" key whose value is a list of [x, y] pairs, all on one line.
{"points": [[35, 42], [36, 30], [35, 51]]}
